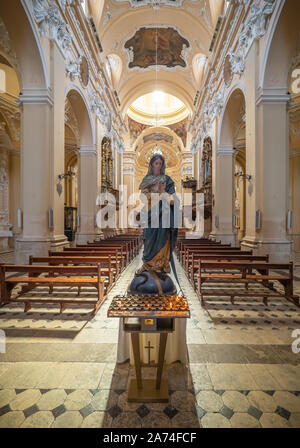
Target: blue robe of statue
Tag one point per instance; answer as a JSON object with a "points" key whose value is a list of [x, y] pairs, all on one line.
{"points": [[159, 235]]}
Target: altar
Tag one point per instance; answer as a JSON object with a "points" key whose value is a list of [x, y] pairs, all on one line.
{"points": [[145, 324], [176, 348]]}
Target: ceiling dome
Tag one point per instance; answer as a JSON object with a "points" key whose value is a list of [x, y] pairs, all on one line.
{"points": [[158, 108]]}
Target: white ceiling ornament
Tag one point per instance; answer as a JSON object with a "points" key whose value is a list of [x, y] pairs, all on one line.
{"points": [[203, 15], [51, 25], [256, 24], [73, 68], [107, 15], [118, 143], [98, 106], [254, 27]]}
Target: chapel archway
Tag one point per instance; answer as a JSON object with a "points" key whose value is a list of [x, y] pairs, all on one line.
{"points": [[10, 143], [72, 143], [80, 164], [231, 160]]}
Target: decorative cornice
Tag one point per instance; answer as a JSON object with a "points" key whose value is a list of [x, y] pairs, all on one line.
{"points": [[272, 96], [226, 151], [34, 96], [85, 150]]}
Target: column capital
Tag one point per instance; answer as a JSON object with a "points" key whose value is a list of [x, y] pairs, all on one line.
{"points": [[269, 95], [226, 150], [35, 96], [87, 150]]}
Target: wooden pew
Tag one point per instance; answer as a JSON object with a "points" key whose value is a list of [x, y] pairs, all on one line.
{"points": [[135, 240], [110, 268], [204, 242], [124, 246], [194, 259], [90, 253], [247, 272], [215, 250], [99, 249], [33, 279]]}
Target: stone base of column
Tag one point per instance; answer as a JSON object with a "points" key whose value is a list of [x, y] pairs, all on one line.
{"points": [[278, 251], [108, 233], [225, 238], [194, 234], [84, 237], [58, 242], [25, 248], [99, 236]]}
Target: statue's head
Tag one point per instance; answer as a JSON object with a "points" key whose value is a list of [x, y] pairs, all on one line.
{"points": [[157, 165]]}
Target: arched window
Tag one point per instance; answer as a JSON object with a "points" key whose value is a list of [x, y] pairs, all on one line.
{"points": [[2, 81]]}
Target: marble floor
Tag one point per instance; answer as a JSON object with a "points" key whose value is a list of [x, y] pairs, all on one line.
{"points": [[60, 370]]}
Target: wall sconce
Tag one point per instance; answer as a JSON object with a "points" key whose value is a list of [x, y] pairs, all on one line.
{"points": [[50, 218], [19, 218], [289, 219], [244, 176], [216, 221], [234, 220], [69, 173], [258, 220]]}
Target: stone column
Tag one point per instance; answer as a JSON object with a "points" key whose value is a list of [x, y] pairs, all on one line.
{"points": [[87, 193], [35, 175], [57, 159], [271, 176], [223, 188], [267, 162], [5, 226]]}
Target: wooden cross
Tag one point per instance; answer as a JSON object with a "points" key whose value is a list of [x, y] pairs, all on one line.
{"points": [[149, 348]]}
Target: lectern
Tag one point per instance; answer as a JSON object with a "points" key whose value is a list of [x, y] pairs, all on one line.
{"points": [[148, 314]]}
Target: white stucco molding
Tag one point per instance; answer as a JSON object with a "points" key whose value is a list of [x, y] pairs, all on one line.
{"points": [[85, 150], [36, 96], [269, 95], [226, 150]]}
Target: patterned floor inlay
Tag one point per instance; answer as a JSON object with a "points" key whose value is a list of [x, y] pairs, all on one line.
{"points": [[60, 370]]}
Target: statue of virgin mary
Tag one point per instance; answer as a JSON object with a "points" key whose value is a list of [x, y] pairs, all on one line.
{"points": [[152, 278], [159, 241]]}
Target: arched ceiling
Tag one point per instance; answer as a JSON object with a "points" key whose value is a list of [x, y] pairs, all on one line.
{"points": [[182, 28]]}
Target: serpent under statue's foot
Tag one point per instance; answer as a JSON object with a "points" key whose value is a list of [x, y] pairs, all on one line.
{"points": [[144, 282]]}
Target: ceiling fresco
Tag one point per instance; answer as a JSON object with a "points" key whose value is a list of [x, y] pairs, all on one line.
{"points": [[170, 46]]}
